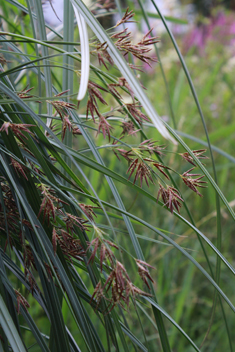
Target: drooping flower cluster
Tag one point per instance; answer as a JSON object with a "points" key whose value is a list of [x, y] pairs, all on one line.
{"points": [[193, 183], [144, 168], [197, 153], [21, 301], [19, 168], [139, 50], [141, 161], [50, 203], [170, 197], [120, 286], [63, 109], [18, 129], [123, 41], [70, 246]]}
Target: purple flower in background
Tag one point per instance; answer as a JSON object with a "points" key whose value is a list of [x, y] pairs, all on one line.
{"points": [[221, 28]]}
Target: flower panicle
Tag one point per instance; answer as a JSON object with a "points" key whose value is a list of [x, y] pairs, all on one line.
{"points": [[128, 128], [19, 168], [141, 164], [134, 110], [98, 294], [104, 126], [146, 40], [150, 146], [103, 55], [73, 221], [127, 18], [142, 171], [193, 183], [121, 286], [24, 94], [88, 210], [126, 154], [50, 203], [68, 125], [161, 168], [139, 50], [18, 129], [70, 246], [106, 253], [62, 107], [94, 94], [198, 154], [143, 271], [21, 301], [171, 198]]}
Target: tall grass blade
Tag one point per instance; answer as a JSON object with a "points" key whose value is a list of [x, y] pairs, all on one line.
{"points": [[9, 328]]}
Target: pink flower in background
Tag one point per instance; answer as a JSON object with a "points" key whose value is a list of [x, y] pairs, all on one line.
{"points": [[221, 28]]}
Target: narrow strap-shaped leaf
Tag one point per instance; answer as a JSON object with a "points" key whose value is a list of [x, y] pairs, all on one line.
{"points": [[47, 70], [33, 327], [9, 328], [85, 54]]}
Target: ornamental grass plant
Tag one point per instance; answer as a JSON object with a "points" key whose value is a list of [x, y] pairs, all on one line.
{"points": [[115, 224]]}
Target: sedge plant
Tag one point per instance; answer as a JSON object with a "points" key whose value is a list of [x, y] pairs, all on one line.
{"points": [[81, 147]]}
